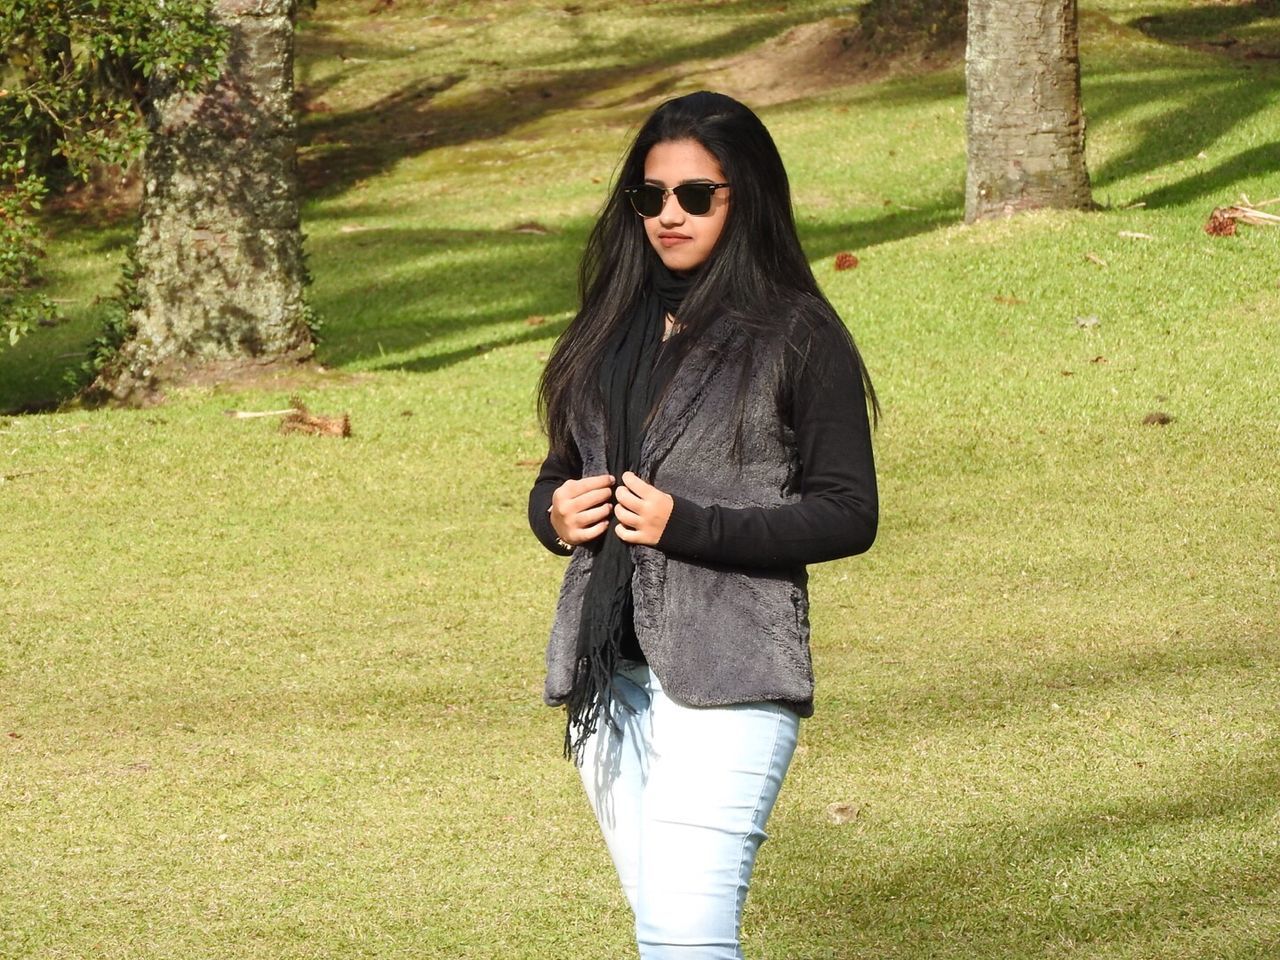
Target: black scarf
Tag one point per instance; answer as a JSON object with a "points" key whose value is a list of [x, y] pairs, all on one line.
{"points": [[627, 387]]}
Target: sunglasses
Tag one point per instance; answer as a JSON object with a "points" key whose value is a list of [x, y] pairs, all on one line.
{"points": [[694, 198]]}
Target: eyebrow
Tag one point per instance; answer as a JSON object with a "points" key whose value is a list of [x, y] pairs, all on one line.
{"points": [[659, 183]]}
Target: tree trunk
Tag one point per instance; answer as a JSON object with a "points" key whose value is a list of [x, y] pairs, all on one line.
{"points": [[1025, 124], [220, 269]]}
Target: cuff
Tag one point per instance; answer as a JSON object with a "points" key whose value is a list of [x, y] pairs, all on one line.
{"points": [[540, 523], [688, 530]]}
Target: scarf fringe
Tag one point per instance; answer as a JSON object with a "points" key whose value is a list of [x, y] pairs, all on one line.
{"points": [[594, 690]]}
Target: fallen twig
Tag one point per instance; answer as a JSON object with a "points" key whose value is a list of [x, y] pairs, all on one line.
{"points": [[300, 420], [6, 477], [1254, 216], [1223, 220], [250, 414]]}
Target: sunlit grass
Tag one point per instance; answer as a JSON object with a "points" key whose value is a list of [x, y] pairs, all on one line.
{"points": [[278, 696]]}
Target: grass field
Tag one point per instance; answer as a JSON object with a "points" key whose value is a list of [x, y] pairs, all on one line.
{"points": [[277, 696]]}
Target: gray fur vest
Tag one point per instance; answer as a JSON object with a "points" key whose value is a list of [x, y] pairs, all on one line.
{"points": [[714, 634]]}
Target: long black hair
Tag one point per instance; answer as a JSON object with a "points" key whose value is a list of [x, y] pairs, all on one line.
{"points": [[757, 274]]}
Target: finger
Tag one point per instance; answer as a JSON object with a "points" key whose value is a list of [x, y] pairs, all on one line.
{"points": [[576, 487], [568, 505], [628, 498], [588, 517], [590, 533], [592, 483], [637, 485], [629, 517], [592, 498], [634, 536]]}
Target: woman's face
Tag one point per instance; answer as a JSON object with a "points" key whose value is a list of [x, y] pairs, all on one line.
{"points": [[682, 240]]}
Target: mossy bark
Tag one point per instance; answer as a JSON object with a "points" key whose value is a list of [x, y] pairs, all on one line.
{"points": [[219, 249], [1025, 121]]}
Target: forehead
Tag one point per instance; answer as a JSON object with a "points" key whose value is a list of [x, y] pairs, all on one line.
{"points": [[675, 161]]}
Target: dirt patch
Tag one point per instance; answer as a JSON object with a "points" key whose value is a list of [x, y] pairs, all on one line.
{"points": [[815, 57], [107, 197], [223, 376], [289, 375]]}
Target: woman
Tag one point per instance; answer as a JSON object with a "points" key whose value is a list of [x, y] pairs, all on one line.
{"points": [[707, 417]]}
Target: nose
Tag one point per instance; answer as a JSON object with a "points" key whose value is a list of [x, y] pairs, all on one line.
{"points": [[672, 214]]}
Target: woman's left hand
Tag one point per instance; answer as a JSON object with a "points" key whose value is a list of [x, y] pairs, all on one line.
{"points": [[642, 511]]}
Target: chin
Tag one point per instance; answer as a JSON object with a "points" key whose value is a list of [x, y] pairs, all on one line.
{"points": [[681, 263]]}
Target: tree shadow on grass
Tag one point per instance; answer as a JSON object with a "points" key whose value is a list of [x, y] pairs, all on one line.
{"points": [[993, 885], [1114, 875], [469, 302], [1217, 181], [365, 142], [456, 293], [1208, 105], [438, 361], [824, 239], [1206, 27], [469, 288]]}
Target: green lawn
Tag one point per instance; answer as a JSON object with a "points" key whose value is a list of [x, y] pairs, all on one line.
{"points": [[279, 696]]}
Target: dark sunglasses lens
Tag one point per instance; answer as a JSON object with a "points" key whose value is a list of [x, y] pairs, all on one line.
{"points": [[646, 200], [695, 198]]}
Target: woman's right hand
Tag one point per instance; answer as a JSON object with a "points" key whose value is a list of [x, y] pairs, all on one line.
{"points": [[580, 509]]}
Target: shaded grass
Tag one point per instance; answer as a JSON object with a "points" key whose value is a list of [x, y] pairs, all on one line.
{"points": [[453, 77], [38, 373], [279, 696]]}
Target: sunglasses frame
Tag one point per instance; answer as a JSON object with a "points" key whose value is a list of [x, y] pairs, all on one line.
{"points": [[711, 188]]}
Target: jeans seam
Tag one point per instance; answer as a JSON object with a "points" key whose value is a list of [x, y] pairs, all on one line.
{"points": [[764, 788]]}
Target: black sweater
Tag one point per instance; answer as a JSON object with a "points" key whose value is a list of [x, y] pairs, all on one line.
{"points": [[825, 404]]}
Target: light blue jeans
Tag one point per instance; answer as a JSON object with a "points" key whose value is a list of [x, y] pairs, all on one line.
{"points": [[682, 796]]}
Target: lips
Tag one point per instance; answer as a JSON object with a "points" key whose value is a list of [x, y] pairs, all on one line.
{"points": [[673, 239]]}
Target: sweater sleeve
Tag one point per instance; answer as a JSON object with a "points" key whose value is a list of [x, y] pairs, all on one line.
{"points": [[838, 511], [555, 470]]}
